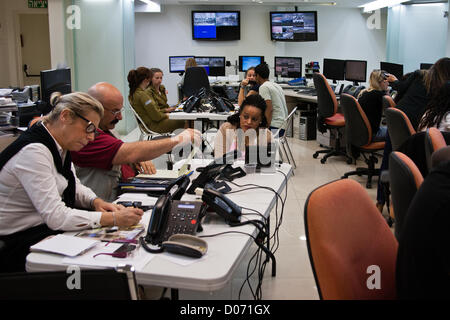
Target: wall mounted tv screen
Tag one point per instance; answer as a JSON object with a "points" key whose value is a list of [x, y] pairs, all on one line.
{"points": [[293, 26], [216, 25], [215, 66]]}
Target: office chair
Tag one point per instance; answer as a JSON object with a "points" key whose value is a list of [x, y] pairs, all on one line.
{"points": [[405, 179], [434, 140], [109, 284], [328, 117], [195, 78], [359, 137], [440, 156], [399, 127], [347, 239], [388, 102], [287, 125], [152, 135]]}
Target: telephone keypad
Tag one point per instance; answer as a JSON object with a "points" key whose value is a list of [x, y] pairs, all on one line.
{"points": [[184, 217]]}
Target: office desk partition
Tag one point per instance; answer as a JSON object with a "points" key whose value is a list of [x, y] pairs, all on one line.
{"points": [[225, 252]]}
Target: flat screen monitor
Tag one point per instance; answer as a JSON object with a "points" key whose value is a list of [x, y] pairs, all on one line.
{"points": [[293, 26], [288, 67], [425, 66], [392, 68], [215, 66], [246, 62], [334, 69], [216, 25], [178, 63], [356, 70], [55, 80]]}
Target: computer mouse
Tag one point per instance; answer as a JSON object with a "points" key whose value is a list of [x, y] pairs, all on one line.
{"points": [[185, 244]]}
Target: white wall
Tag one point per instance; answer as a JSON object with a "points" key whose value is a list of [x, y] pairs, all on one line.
{"points": [[342, 33], [417, 34]]}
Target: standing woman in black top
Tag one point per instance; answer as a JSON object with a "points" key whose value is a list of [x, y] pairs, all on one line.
{"points": [[371, 102]]}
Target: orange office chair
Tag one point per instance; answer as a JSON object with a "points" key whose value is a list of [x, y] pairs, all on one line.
{"points": [[405, 179], [388, 102], [434, 140], [359, 136], [399, 127], [347, 239], [327, 106]]}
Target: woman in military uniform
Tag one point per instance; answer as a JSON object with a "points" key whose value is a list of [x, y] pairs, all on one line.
{"points": [[145, 105]]}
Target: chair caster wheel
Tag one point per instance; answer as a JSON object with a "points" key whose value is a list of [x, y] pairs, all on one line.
{"points": [[315, 155], [323, 160], [349, 161]]}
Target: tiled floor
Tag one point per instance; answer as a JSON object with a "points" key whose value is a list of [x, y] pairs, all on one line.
{"points": [[294, 278]]}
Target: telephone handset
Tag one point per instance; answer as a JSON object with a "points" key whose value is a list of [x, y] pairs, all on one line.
{"points": [[221, 204]]}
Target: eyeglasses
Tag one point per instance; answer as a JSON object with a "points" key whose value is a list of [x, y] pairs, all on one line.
{"points": [[115, 113], [91, 128]]}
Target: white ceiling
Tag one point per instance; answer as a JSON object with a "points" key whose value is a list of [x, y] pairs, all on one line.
{"points": [[290, 3]]}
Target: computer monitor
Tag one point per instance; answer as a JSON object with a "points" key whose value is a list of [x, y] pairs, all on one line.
{"points": [[216, 25], [288, 67], [293, 26], [356, 71], [425, 66], [392, 68], [215, 66], [246, 62], [178, 63], [55, 80], [334, 69]]}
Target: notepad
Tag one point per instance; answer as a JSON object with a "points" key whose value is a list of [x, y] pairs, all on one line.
{"points": [[65, 245], [171, 174]]}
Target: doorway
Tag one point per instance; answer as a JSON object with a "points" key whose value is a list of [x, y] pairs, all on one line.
{"points": [[34, 47]]}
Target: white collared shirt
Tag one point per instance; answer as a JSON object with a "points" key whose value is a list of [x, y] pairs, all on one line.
{"points": [[31, 194]]}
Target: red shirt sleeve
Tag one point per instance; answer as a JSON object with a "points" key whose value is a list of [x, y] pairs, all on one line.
{"points": [[98, 153]]}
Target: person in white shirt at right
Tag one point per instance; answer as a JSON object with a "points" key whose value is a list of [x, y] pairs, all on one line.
{"points": [[40, 194]]}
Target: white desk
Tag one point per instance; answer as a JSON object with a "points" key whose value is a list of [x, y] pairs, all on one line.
{"points": [[300, 96], [198, 116], [225, 252]]}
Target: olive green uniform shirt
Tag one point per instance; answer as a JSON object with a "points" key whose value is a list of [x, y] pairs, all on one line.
{"points": [[155, 119]]}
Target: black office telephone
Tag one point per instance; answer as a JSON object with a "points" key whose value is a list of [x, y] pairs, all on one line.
{"points": [[222, 205], [171, 216], [353, 90], [194, 101]]}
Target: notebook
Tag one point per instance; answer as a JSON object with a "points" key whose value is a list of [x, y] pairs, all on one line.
{"points": [[65, 245], [170, 174]]}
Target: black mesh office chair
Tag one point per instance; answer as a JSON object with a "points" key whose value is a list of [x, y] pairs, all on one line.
{"points": [[105, 284], [195, 78]]}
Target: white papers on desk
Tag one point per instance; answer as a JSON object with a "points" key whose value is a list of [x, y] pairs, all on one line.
{"points": [[65, 245], [138, 259]]}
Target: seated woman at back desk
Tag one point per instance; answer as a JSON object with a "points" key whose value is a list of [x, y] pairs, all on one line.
{"points": [[145, 106], [158, 92], [247, 127], [248, 85], [371, 101], [39, 191]]}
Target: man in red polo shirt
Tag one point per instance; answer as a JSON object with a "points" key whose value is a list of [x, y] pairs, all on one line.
{"points": [[103, 162]]}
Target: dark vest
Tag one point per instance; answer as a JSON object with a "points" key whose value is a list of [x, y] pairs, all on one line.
{"points": [[38, 134]]}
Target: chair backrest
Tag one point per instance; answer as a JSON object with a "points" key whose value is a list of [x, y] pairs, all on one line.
{"points": [[404, 179], [195, 78], [142, 126], [440, 156], [388, 102], [105, 284], [357, 126], [327, 103], [399, 127], [434, 140], [287, 123], [347, 240]]}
